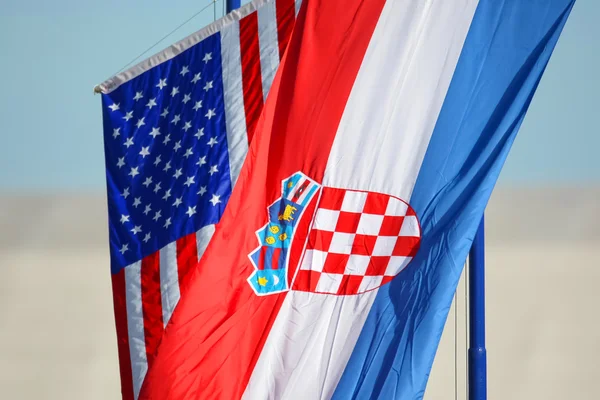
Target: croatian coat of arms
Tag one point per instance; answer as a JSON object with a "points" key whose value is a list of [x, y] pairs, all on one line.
{"points": [[331, 240]]}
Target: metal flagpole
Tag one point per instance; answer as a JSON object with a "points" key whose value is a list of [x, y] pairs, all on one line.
{"points": [[231, 5], [477, 351]]}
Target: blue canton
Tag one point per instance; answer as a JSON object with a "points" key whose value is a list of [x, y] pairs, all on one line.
{"points": [[167, 163]]}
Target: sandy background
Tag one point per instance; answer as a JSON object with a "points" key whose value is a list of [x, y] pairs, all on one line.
{"points": [[57, 337]]}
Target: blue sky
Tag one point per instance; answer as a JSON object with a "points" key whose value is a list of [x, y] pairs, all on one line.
{"points": [[54, 52]]}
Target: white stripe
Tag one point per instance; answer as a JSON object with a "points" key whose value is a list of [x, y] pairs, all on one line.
{"points": [[169, 271], [169, 280], [268, 44], [306, 346], [235, 117], [379, 146], [170, 294], [298, 4], [135, 325], [203, 237]]}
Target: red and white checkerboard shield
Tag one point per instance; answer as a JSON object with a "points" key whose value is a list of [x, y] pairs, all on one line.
{"points": [[338, 241], [357, 242]]}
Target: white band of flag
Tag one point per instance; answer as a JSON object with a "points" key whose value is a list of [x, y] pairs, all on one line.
{"points": [[401, 115]]}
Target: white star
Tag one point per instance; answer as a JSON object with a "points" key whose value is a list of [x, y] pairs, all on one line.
{"points": [[161, 83], [184, 70], [212, 141], [177, 146], [128, 116], [140, 123], [191, 211], [167, 139], [121, 162], [188, 153], [133, 172], [187, 126], [136, 229], [124, 248], [155, 132], [176, 119], [174, 91], [137, 201], [197, 106], [167, 222], [211, 113], [128, 142], [125, 193], [116, 132], [178, 202], [167, 195], [115, 106], [157, 187], [208, 86], [147, 237], [165, 112], [148, 181], [178, 173], [124, 218], [196, 78], [202, 190], [186, 98], [200, 133], [207, 57], [213, 170], [215, 200], [157, 160], [157, 215], [167, 166], [145, 151], [189, 181], [147, 209], [151, 103], [138, 95], [201, 161]]}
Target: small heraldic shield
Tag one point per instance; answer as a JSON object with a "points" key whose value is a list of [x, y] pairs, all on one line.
{"points": [[331, 240]]}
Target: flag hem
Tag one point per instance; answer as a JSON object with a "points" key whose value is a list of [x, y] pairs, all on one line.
{"points": [[177, 48]]}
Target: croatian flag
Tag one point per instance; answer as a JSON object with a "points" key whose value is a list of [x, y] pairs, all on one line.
{"points": [[332, 271], [176, 132]]}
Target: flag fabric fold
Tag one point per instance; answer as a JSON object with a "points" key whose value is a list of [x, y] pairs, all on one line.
{"points": [[176, 132], [332, 270]]}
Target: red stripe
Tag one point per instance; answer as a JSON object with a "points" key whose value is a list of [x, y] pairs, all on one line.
{"points": [[275, 258], [300, 190], [251, 73], [151, 304], [187, 256], [120, 307], [261, 257], [286, 14], [216, 335]]}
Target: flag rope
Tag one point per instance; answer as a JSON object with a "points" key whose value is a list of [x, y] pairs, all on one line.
{"points": [[212, 3]]}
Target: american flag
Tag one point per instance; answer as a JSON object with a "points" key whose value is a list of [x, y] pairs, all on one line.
{"points": [[176, 132]]}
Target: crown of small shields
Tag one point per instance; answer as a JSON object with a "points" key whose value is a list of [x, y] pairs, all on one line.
{"points": [[329, 240]]}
